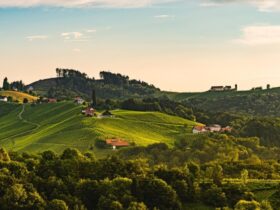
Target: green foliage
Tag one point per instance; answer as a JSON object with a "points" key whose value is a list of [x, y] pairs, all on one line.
{"points": [[4, 156], [56, 204], [247, 205], [71, 83]]}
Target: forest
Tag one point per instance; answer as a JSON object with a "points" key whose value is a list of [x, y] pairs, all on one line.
{"points": [[139, 178]]}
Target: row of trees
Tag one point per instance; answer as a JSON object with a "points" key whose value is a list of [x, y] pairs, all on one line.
{"points": [[161, 105], [66, 73], [13, 85]]}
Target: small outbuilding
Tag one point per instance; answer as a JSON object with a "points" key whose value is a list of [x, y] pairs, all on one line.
{"points": [[52, 100], [79, 100], [89, 112], [115, 143]]}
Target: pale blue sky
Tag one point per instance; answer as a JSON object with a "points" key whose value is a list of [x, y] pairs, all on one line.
{"points": [[180, 45]]}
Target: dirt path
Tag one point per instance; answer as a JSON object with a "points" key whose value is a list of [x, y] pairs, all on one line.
{"points": [[37, 126]]}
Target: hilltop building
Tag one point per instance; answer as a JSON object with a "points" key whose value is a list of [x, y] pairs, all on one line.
{"points": [[223, 88]]}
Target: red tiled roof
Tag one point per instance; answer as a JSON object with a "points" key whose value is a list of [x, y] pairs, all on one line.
{"points": [[117, 142], [199, 128], [52, 100]]}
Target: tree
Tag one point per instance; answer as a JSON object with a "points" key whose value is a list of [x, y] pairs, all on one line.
{"points": [[57, 205], [137, 206], [6, 85], [244, 176], [93, 98], [156, 193], [108, 204], [25, 100], [23, 197], [214, 196], [218, 175], [247, 205], [265, 205], [4, 156]]}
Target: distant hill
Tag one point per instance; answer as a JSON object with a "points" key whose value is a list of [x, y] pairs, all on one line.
{"points": [[253, 102], [18, 96], [61, 125], [71, 83]]}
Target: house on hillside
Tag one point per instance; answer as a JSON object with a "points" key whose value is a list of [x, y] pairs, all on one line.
{"points": [[3, 99], [89, 112], [79, 100], [52, 100], [211, 128], [214, 128], [199, 129], [30, 89], [227, 129], [116, 143]]}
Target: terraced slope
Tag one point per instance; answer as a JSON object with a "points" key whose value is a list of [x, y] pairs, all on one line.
{"points": [[58, 126]]}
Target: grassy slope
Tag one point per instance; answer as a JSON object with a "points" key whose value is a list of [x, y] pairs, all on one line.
{"points": [[18, 95], [58, 126]]}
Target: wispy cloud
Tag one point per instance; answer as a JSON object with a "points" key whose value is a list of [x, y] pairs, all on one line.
{"points": [[36, 37], [82, 3], [262, 5], [74, 37], [91, 30], [259, 35], [163, 16]]}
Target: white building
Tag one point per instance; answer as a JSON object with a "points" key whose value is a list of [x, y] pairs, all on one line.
{"points": [[215, 128], [199, 129], [79, 100], [3, 99]]}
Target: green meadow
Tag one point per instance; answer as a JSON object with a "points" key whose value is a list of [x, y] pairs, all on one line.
{"points": [[35, 128]]}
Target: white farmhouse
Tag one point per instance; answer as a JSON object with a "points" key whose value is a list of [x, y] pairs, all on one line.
{"points": [[215, 128], [3, 99]]}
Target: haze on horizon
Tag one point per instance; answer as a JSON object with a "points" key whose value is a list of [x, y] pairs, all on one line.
{"points": [[176, 45]]}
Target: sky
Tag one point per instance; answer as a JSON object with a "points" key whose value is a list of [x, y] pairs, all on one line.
{"points": [[177, 45]]}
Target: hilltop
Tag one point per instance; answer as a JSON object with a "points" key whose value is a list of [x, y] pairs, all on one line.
{"points": [[70, 83], [251, 102], [61, 125]]}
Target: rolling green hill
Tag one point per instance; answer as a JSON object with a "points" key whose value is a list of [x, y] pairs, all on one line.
{"points": [[58, 126]]}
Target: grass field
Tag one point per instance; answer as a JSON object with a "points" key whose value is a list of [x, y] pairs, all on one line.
{"points": [[18, 96], [58, 126]]}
